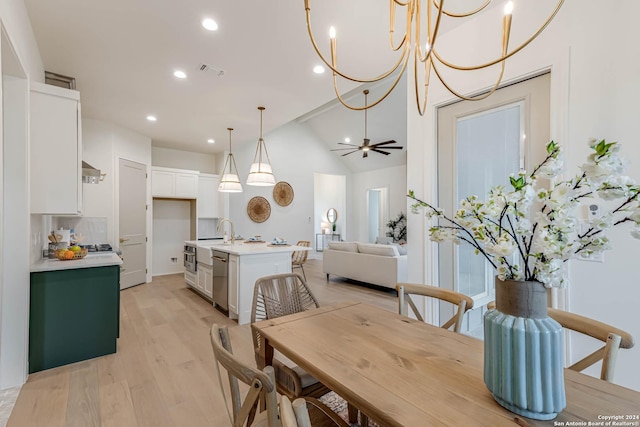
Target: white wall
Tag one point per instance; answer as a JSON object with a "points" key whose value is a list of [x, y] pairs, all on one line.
{"points": [[296, 154], [15, 20], [171, 227], [595, 85], [395, 179], [14, 310], [103, 144], [168, 158], [330, 191]]}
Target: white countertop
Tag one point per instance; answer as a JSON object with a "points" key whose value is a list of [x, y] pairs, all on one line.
{"points": [[241, 247], [91, 260]]}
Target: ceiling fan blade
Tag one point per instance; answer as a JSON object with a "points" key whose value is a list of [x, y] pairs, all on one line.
{"points": [[380, 151], [346, 154], [387, 148], [384, 143], [339, 149], [344, 143]]}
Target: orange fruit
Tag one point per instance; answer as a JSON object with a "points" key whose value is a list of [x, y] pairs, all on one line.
{"points": [[69, 254]]}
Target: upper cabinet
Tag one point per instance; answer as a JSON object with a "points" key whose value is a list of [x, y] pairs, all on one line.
{"points": [[55, 150], [210, 201], [174, 183]]}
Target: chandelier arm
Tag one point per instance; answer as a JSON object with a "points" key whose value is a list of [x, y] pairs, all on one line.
{"points": [[392, 19], [464, 14], [422, 106], [506, 55], [382, 98], [403, 3], [471, 98], [333, 67], [432, 34]]}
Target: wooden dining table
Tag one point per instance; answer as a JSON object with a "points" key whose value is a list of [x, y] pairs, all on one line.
{"points": [[403, 372]]}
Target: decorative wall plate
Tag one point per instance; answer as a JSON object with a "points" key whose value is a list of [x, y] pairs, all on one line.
{"points": [[258, 209], [283, 193]]}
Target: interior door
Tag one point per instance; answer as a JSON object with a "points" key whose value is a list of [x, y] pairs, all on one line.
{"points": [[133, 222], [480, 143]]}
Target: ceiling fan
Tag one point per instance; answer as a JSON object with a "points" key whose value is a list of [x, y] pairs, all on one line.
{"points": [[366, 146]]}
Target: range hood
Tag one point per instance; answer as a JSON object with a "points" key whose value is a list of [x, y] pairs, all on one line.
{"points": [[91, 175]]}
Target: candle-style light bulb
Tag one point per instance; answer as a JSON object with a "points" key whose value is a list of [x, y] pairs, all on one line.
{"points": [[508, 8], [332, 33]]}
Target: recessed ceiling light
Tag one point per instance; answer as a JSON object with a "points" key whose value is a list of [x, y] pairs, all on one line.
{"points": [[211, 141], [318, 69], [209, 24], [152, 118], [180, 74], [347, 139]]}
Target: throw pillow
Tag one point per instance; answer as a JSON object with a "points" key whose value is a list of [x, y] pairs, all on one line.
{"points": [[402, 249]]}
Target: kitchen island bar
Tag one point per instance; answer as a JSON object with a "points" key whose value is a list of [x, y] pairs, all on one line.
{"points": [[247, 262]]}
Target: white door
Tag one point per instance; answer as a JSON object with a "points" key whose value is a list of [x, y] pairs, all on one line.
{"points": [[479, 145], [133, 222]]}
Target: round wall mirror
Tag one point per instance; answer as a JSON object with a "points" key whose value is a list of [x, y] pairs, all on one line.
{"points": [[332, 215]]}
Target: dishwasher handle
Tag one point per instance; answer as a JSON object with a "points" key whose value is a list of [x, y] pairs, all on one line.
{"points": [[217, 258]]}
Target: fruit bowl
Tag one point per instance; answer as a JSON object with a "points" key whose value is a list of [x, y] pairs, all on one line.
{"points": [[68, 255]]}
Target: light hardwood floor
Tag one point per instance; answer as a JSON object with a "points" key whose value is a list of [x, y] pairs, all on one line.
{"points": [[163, 373]]}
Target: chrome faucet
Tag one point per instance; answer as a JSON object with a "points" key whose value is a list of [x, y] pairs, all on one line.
{"points": [[233, 233]]}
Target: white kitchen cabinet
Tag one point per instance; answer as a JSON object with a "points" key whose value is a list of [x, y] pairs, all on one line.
{"points": [[190, 279], [174, 183], [210, 200], [55, 151], [205, 280]]}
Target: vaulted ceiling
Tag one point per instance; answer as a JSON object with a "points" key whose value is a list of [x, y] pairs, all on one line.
{"points": [[123, 54]]}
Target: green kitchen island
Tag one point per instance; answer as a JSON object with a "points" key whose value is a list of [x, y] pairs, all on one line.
{"points": [[74, 310]]}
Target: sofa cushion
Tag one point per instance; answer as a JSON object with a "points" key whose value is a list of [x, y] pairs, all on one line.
{"points": [[384, 240], [373, 249], [344, 246]]}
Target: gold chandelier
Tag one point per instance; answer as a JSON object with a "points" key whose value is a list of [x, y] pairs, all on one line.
{"points": [[425, 53]]}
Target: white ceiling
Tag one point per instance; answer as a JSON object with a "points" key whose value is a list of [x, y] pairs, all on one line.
{"points": [[123, 53]]}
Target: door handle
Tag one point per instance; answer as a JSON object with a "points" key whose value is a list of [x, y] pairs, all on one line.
{"points": [[219, 259], [122, 239]]}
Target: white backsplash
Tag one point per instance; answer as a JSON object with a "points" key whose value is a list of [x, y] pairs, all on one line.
{"points": [[92, 229]]}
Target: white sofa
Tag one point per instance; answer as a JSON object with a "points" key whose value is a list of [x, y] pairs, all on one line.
{"points": [[380, 265]]}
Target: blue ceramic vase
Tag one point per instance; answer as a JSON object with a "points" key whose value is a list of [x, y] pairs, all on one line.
{"points": [[523, 351]]}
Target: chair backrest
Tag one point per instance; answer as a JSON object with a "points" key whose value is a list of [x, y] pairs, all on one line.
{"points": [[259, 382], [279, 295], [612, 337], [463, 302], [300, 257]]}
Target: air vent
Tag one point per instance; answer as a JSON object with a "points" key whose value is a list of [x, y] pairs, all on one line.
{"points": [[59, 80], [213, 70]]}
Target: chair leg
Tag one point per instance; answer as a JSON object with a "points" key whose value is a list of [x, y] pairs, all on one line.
{"points": [[353, 413], [305, 276]]}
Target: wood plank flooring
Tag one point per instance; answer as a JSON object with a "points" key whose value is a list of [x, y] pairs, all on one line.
{"points": [[163, 373]]}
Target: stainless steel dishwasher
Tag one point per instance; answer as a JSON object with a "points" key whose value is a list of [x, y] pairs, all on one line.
{"points": [[220, 279]]}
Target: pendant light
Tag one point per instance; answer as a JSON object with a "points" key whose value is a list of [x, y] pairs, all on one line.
{"points": [[260, 173], [229, 182]]}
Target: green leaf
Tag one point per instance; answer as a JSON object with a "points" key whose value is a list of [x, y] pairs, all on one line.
{"points": [[517, 184], [551, 147], [412, 194]]}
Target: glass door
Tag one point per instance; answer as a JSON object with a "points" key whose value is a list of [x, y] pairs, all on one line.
{"points": [[479, 145]]}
